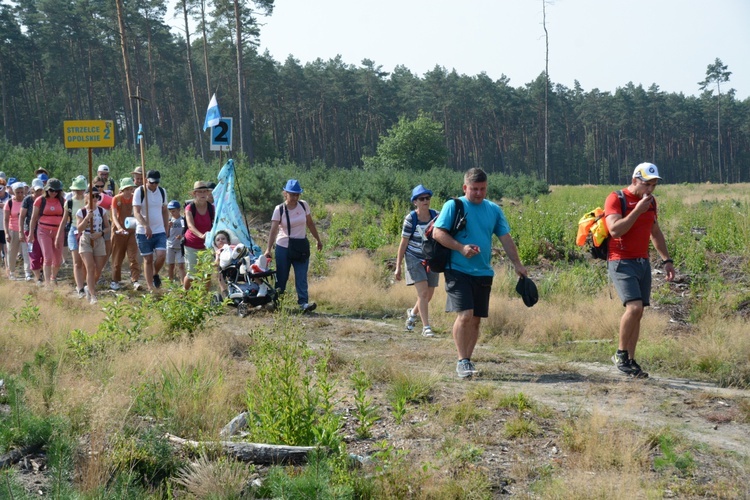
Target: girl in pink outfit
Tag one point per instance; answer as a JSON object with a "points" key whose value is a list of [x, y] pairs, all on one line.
{"points": [[45, 221]]}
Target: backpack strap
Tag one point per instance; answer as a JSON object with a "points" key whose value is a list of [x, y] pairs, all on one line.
{"points": [[161, 190], [623, 205]]}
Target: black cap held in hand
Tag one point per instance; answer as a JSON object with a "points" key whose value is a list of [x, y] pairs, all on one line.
{"points": [[527, 290]]}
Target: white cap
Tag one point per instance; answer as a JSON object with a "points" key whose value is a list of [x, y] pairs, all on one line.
{"points": [[646, 171], [2, 175], [17, 185], [37, 184], [103, 168]]}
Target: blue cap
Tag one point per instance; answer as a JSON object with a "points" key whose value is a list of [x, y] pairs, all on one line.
{"points": [[12, 181], [173, 204], [43, 176], [292, 186], [419, 191]]}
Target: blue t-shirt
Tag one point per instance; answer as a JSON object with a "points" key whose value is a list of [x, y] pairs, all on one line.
{"points": [[482, 221]]}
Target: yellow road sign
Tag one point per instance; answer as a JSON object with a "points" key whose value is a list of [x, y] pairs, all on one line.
{"points": [[89, 133]]}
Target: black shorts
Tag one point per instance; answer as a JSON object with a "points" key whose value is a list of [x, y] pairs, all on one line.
{"points": [[468, 292], [2, 237]]}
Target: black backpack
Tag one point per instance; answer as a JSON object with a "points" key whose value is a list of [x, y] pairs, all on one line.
{"points": [[437, 258], [602, 251]]}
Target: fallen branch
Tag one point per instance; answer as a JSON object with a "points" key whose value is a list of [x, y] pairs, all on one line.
{"points": [[256, 453]]}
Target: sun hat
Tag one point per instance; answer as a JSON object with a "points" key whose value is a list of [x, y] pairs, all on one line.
{"points": [[78, 184], [137, 171], [153, 176], [527, 290], [200, 185], [646, 171], [37, 184], [54, 185], [173, 204], [292, 186], [126, 182], [419, 191]]}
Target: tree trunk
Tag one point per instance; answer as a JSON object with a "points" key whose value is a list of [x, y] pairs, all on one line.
{"points": [[191, 81], [126, 64]]}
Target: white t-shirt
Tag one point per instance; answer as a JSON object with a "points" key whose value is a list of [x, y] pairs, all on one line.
{"points": [[297, 218], [154, 217]]}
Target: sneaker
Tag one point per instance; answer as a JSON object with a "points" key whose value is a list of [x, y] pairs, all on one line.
{"points": [[114, 286], [137, 286], [306, 308], [411, 320], [465, 369], [427, 331], [157, 281], [638, 372], [93, 301], [29, 277], [81, 293], [86, 292], [628, 366]]}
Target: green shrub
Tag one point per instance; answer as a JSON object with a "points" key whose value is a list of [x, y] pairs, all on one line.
{"points": [[292, 398]]}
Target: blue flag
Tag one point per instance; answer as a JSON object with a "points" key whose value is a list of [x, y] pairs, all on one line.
{"points": [[213, 115], [228, 215]]}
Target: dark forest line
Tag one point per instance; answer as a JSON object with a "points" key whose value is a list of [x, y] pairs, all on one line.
{"points": [[64, 60]]}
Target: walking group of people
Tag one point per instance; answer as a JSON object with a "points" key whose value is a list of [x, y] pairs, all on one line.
{"points": [[468, 278], [139, 222]]}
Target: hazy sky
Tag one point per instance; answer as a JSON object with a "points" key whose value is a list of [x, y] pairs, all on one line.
{"points": [[603, 44]]}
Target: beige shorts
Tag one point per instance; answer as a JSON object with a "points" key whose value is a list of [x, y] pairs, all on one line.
{"points": [[85, 245]]}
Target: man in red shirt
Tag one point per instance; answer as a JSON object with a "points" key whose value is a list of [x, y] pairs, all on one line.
{"points": [[628, 260]]}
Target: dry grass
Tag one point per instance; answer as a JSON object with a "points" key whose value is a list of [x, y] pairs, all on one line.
{"points": [[696, 193], [596, 443]]}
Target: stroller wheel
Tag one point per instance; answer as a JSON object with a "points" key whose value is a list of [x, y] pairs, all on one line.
{"points": [[216, 299], [242, 309]]}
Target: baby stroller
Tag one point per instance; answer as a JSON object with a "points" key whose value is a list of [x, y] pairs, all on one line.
{"points": [[250, 284]]}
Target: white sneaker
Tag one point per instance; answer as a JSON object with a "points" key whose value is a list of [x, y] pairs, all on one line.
{"points": [[81, 293], [427, 331], [137, 285], [262, 290], [93, 301], [114, 286], [86, 292], [29, 277]]}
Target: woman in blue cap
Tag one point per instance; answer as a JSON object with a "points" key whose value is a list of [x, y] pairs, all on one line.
{"points": [[289, 224], [410, 248]]}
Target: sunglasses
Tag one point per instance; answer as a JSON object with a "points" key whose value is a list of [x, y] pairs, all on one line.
{"points": [[153, 182], [99, 186], [424, 198]]}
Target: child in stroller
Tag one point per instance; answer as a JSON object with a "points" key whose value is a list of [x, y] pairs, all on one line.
{"points": [[244, 279]]}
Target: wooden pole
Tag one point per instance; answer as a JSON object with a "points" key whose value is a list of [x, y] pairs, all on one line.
{"points": [[91, 190], [142, 143]]}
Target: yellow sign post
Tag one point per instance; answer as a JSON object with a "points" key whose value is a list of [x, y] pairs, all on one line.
{"points": [[89, 133]]}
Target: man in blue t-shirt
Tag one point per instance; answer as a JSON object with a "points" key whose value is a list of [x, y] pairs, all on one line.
{"points": [[468, 281]]}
